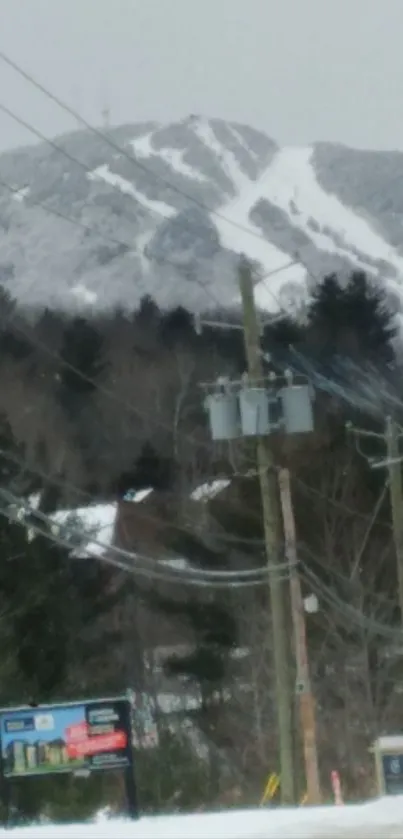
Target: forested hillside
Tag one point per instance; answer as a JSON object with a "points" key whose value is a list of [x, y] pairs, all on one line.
{"points": [[94, 409]]}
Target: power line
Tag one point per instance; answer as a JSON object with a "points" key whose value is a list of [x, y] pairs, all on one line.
{"points": [[356, 617], [69, 219], [345, 608], [105, 390], [186, 437], [31, 128], [40, 345], [119, 558], [102, 389], [221, 537], [136, 557], [147, 561], [203, 573], [61, 150], [64, 484], [109, 394], [119, 242], [337, 504], [343, 579]]}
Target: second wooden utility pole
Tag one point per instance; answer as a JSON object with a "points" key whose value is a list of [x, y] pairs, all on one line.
{"points": [[396, 498], [303, 681], [393, 463], [273, 541]]}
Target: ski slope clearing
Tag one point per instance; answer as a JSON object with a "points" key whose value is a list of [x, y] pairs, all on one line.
{"points": [[383, 818], [158, 207], [237, 233], [143, 150], [290, 183]]}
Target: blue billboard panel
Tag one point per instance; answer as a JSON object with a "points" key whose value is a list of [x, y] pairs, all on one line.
{"points": [[90, 735]]}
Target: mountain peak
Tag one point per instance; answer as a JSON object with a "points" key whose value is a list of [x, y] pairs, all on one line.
{"points": [[164, 209]]}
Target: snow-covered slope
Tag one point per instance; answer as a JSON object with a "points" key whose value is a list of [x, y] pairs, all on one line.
{"points": [[164, 210]]}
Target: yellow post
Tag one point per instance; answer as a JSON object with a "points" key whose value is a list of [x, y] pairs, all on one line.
{"points": [[271, 788]]}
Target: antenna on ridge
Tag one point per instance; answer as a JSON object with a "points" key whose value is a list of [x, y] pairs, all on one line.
{"points": [[105, 109], [106, 116]]}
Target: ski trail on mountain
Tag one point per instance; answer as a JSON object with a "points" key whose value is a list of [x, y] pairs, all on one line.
{"points": [[104, 173], [239, 241], [290, 183], [173, 157]]}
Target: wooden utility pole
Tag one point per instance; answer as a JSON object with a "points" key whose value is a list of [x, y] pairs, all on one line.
{"points": [[303, 682], [396, 498], [273, 541]]}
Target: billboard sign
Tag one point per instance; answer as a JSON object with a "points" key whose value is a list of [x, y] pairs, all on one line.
{"points": [[84, 736], [392, 766]]}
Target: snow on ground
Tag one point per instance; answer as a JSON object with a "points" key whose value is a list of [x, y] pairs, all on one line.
{"points": [[84, 295], [290, 183], [227, 159], [141, 245], [94, 522], [97, 520], [383, 818], [142, 146], [173, 703], [138, 495], [250, 240], [21, 194], [104, 173], [205, 492], [241, 140]]}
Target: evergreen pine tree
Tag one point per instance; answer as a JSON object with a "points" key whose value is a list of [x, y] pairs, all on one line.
{"points": [[350, 320], [82, 352]]}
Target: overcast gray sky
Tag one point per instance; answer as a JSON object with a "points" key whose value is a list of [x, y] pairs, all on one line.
{"points": [[302, 70]]}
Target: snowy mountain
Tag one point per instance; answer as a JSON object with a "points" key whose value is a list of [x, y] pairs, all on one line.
{"points": [[94, 222]]}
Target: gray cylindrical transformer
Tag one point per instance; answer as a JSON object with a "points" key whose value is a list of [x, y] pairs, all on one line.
{"points": [[254, 411], [296, 402], [223, 412]]}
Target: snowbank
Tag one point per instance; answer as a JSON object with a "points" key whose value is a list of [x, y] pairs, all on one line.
{"points": [[383, 818]]}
